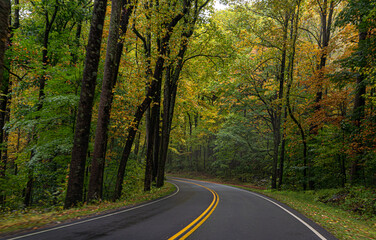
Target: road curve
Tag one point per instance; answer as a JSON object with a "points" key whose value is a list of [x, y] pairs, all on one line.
{"points": [[198, 210]]}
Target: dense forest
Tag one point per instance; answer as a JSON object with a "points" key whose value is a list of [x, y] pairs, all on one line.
{"points": [[100, 98]]}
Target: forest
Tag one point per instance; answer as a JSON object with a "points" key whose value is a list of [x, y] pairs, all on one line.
{"points": [[99, 99]]}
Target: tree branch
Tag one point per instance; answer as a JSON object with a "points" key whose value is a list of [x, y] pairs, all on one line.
{"points": [[11, 73]]}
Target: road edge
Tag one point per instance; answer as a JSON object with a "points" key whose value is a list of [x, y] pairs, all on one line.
{"points": [[21, 233], [290, 210]]}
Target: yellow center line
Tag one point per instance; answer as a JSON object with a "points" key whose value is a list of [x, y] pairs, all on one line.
{"points": [[200, 219]]}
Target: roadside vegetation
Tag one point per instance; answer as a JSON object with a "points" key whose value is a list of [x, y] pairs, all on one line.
{"points": [[347, 213], [29, 219]]}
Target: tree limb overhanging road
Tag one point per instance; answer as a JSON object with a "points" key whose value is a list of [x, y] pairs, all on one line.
{"points": [[197, 210]]}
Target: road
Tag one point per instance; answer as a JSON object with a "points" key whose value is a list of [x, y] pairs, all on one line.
{"points": [[198, 210]]}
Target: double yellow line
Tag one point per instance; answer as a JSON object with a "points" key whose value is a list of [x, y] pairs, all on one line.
{"points": [[190, 228]]}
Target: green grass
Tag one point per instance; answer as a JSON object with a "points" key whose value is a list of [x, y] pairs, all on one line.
{"points": [[342, 223], [17, 221]]}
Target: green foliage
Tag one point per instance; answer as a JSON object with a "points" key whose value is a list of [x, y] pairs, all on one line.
{"points": [[239, 151], [359, 200], [359, 13], [134, 179]]}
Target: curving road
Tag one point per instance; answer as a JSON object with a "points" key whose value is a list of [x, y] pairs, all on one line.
{"points": [[198, 210]]}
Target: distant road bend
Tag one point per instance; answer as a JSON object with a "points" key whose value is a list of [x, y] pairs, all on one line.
{"points": [[197, 210]]}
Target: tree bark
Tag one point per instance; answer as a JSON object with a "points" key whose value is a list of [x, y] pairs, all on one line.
{"points": [[278, 111], [4, 29], [153, 139], [326, 17], [83, 122], [5, 7], [157, 136], [120, 13], [358, 110], [283, 150], [170, 89]]}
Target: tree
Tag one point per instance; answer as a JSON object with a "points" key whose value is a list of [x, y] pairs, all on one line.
{"points": [[83, 122], [120, 15], [170, 87], [358, 13], [168, 25], [4, 30]]}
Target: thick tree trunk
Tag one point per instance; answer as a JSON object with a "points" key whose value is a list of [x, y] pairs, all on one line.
{"points": [[83, 122], [4, 29], [3, 134], [170, 89], [113, 57], [153, 138], [157, 137], [29, 188], [4, 80], [150, 150], [137, 145], [4, 77]]}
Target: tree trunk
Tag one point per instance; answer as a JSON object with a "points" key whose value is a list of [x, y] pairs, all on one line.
{"points": [[4, 28], [157, 137], [42, 80], [170, 90], [111, 68], [153, 145], [157, 77], [149, 150], [137, 145], [358, 111], [83, 122], [294, 34], [283, 150], [326, 27], [29, 188], [278, 111], [276, 141], [4, 117]]}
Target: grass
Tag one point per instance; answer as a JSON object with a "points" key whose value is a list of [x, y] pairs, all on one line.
{"points": [[18, 221], [341, 223]]}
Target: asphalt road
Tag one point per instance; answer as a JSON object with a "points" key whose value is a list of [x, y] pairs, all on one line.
{"points": [[198, 210]]}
